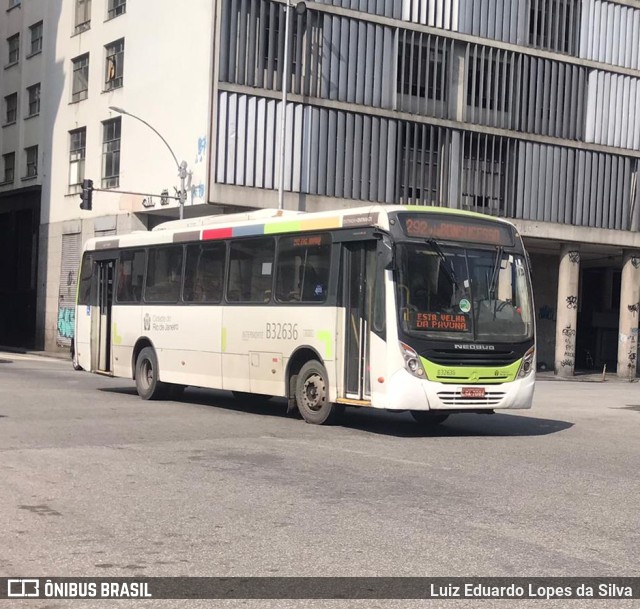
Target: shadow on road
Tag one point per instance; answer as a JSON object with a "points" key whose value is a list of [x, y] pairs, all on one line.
{"points": [[457, 425], [380, 422]]}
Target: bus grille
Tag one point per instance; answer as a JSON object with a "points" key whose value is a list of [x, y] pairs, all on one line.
{"points": [[455, 399], [448, 357]]}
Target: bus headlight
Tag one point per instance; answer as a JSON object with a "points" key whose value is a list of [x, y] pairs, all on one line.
{"points": [[412, 361], [527, 363]]}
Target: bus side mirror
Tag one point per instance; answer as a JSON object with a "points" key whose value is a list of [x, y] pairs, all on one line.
{"points": [[386, 253]]}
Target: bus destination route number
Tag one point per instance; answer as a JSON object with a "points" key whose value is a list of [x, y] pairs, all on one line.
{"points": [[278, 331]]}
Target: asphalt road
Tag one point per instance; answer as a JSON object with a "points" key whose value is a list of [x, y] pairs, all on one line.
{"points": [[97, 482]]}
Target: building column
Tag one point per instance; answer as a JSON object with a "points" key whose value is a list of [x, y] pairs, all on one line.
{"points": [[457, 107], [567, 310], [628, 324]]}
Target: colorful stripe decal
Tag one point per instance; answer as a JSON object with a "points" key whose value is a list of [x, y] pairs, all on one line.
{"points": [[192, 235], [216, 233], [248, 231]]}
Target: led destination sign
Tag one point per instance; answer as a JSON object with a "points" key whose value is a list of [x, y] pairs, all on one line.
{"points": [[444, 322], [422, 226]]}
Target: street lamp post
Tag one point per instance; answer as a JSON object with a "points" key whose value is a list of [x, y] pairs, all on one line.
{"points": [[182, 167]]}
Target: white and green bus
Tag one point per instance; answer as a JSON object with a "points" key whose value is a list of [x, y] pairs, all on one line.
{"points": [[419, 309]]}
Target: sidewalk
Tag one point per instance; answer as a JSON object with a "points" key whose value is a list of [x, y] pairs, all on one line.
{"points": [[19, 351], [584, 376]]}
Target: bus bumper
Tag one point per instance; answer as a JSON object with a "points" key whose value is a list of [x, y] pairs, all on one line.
{"points": [[406, 392]]}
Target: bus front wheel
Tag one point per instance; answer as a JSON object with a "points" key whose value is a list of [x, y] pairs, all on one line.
{"points": [[427, 418], [312, 395], [147, 383]]}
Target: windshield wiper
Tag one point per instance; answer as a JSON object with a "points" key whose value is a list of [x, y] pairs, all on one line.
{"points": [[449, 272], [493, 284]]}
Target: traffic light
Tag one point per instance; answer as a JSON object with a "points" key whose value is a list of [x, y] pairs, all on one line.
{"points": [[86, 195]]}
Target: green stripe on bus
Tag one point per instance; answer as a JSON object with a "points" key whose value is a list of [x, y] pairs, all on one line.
{"points": [[282, 227], [223, 340], [326, 337], [471, 375]]}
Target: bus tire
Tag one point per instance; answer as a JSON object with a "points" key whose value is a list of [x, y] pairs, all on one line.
{"points": [[426, 418], [312, 395], [148, 385]]}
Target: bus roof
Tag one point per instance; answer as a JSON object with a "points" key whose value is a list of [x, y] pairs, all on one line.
{"points": [[268, 222]]}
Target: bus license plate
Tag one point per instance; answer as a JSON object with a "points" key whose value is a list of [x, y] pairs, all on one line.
{"points": [[473, 392]]}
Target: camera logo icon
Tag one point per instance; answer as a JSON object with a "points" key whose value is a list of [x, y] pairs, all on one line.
{"points": [[23, 588]]}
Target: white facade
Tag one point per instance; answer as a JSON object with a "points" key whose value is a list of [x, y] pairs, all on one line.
{"points": [[162, 77], [28, 128]]}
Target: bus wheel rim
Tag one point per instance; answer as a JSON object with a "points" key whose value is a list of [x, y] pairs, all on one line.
{"points": [[314, 392]]}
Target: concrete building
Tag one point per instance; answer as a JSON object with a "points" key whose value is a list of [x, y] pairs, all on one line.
{"points": [[526, 109], [155, 63], [25, 37]]}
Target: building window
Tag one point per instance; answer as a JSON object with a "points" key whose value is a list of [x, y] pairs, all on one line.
{"points": [[83, 15], [421, 67], [484, 171], [32, 161], [115, 65], [13, 4], [80, 88], [554, 25], [111, 153], [11, 109], [34, 99], [489, 81], [77, 147], [9, 162], [14, 49], [420, 164], [116, 7], [36, 38]]}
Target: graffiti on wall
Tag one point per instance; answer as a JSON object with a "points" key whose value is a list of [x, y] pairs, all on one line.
{"points": [[66, 322], [202, 149], [569, 356]]}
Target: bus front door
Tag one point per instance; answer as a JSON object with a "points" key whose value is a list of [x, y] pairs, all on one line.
{"points": [[101, 321], [359, 273]]}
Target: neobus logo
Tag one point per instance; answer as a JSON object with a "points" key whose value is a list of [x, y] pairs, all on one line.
{"points": [[476, 347]]}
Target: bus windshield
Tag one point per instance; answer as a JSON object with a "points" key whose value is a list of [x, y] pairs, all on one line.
{"points": [[463, 293]]}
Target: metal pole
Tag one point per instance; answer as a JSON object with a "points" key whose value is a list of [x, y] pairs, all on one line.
{"points": [[182, 167], [283, 117], [183, 190]]}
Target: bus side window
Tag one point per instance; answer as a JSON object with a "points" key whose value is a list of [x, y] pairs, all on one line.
{"points": [[164, 274], [250, 270], [302, 273], [130, 275], [204, 273], [86, 272]]}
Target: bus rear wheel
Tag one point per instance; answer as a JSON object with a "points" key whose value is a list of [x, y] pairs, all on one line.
{"points": [[312, 393], [147, 383], [426, 418]]}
